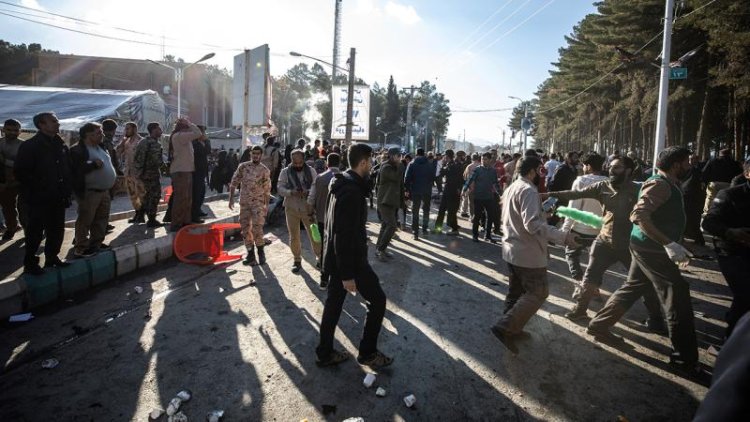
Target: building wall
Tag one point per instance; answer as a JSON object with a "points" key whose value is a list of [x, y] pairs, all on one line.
{"points": [[205, 95]]}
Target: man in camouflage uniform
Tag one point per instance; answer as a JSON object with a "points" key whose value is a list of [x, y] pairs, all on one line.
{"points": [[255, 179], [147, 164]]}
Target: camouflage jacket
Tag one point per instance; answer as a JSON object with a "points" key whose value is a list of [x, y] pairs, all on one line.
{"points": [[255, 180], [148, 158]]}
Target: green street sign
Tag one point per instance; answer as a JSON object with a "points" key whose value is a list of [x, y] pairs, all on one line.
{"points": [[678, 73]]}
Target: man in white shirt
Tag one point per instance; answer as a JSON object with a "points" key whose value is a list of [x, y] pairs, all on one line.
{"points": [[525, 237], [551, 166]]}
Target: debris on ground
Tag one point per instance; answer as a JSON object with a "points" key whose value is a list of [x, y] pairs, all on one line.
{"points": [[215, 416], [50, 363], [355, 420], [155, 414], [369, 380], [138, 289], [178, 417], [185, 395], [174, 406], [410, 400], [21, 317], [380, 392]]}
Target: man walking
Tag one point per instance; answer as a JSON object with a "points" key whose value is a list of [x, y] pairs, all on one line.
{"points": [[126, 150], [728, 220], [467, 201], [345, 259], [525, 237], [389, 189], [201, 151], [147, 168], [418, 185], [482, 186], [254, 178], [319, 197], [181, 170], [93, 177], [718, 174], [296, 182], [618, 195], [42, 168], [451, 199], [658, 224], [13, 206]]}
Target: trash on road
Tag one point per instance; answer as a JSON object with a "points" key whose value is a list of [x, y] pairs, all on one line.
{"points": [[21, 317], [50, 363], [215, 416], [410, 400], [178, 417], [380, 392], [138, 289], [174, 406], [369, 380], [355, 420], [155, 414], [185, 395]]}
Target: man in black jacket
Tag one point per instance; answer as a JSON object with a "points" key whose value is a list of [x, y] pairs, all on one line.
{"points": [[345, 259], [565, 174], [43, 169], [201, 151], [728, 220], [718, 174], [453, 172]]}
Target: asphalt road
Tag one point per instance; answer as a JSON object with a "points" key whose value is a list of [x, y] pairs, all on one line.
{"points": [[242, 340]]}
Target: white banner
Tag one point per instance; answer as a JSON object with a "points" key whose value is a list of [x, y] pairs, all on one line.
{"points": [[251, 88], [360, 113]]}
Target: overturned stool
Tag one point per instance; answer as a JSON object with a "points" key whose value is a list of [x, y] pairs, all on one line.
{"points": [[203, 244]]}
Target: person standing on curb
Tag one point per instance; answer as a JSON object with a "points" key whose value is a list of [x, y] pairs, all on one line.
{"points": [[618, 196], [201, 151], [126, 151], [254, 178], [451, 199], [345, 259], [482, 186], [389, 202], [181, 170], [147, 168], [319, 198], [42, 168], [658, 225], [93, 178], [728, 220], [418, 186], [272, 159], [296, 180], [13, 207], [525, 237]]}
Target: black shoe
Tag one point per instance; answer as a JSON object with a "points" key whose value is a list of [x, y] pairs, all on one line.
{"points": [[334, 358], [656, 326], [34, 269], [416, 235], [475, 238], [296, 267], [8, 235], [505, 338], [465, 214], [250, 260], [153, 224], [324, 280], [261, 255], [198, 221], [605, 336], [203, 214], [110, 228], [375, 360], [491, 240], [104, 246], [55, 262]]}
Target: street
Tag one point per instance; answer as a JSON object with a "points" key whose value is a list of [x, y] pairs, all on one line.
{"points": [[242, 340]]}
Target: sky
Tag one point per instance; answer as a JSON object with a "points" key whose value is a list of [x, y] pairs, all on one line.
{"points": [[478, 52]]}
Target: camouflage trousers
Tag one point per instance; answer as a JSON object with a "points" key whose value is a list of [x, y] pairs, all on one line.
{"points": [[151, 196], [136, 191], [252, 218]]}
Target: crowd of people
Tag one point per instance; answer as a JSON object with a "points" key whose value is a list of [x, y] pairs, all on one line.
{"points": [[645, 215]]}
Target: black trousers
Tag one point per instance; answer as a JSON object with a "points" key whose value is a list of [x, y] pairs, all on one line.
{"points": [[655, 268], [44, 221], [199, 194], [420, 202], [693, 212], [483, 208], [450, 202], [736, 271], [368, 285]]}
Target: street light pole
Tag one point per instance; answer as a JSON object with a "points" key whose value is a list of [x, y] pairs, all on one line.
{"points": [[661, 119], [178, 73], [350, 98]]}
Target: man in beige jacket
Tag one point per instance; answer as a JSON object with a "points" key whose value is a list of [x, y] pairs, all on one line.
{"points": [[181, 170]]}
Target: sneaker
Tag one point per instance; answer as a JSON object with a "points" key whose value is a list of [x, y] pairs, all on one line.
{"points": [[334, 358], [605, 336], [375, 360], [576, 315], [296, 267], [153, 224]]}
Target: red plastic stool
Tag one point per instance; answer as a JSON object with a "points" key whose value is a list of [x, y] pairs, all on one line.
{"points": [[167, 193], [203, 244]]}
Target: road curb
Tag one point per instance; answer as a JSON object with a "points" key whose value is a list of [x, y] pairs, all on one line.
{"points": [[27, 292]]}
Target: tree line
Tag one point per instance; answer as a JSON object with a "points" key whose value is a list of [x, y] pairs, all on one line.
{"points": [[602, 92]]}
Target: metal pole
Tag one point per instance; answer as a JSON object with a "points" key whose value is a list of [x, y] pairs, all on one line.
{"points": [[178, 76], [409, 106], [350, 97], [336, 39], [526, 117], [661, 120], [246, 99]]}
